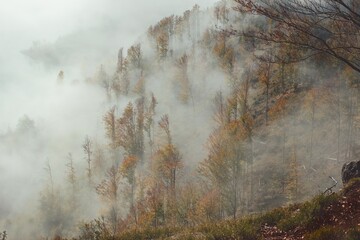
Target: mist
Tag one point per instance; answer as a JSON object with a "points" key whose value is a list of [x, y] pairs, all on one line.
{"points": [[119, 115], [40, 39]]}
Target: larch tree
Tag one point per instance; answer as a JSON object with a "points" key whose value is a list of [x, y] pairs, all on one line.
{"points": [[134, 56], [71, 178], [278, 114], [167, 166], [351, 107], [139, 87], [125, 79], [88, 151], [247, 121], [99, 162], [195, 24], [104, 80], [188, 196], [140, 127], [53, 215], [285, 75], [315, 107], [72, 199], [130, 137], [208, 207], [108, 190], [230, 149], [120, 83], [225, 54], [149, 123], [214, 169], [220, 116], [292, 183], [162, 42], [120, 62], [116, 86], [130, 130], [235, 157], [224, 167], [183, 80], [110, 131], [169, 163], [265, 73], [127, 170], [221, 12], [155, 200]]}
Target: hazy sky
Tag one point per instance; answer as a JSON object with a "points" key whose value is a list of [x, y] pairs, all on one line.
{"points": [[49, 19], [79, 33]]}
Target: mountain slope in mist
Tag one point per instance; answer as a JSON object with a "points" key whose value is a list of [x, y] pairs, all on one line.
{"points": [[191, 124]]}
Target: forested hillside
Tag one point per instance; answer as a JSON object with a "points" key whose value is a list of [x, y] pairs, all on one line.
{"points": [[213, 115]]}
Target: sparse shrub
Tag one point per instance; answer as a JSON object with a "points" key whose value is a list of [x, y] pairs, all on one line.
{"points": [[244, 229], [149, 233], [247, 230], [326, 233], [274, 216], [94, 230], [309, 214]]}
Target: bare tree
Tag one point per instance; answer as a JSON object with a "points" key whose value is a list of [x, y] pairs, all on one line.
{"points": [[311, 26]]}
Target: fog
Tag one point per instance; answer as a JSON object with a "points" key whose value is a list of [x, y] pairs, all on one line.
{"points": [[234, 129], [76, 38]]}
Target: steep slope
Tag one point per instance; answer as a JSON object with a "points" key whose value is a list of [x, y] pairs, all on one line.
{"points": [[335, 216]]}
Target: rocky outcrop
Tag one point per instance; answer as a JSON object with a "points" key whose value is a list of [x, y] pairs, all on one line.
{"points": [[349, 171]]}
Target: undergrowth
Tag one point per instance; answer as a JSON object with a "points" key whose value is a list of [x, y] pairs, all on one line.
{"points": [[309, 216]]}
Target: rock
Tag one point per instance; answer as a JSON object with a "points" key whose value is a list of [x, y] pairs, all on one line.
{"points": [[349, 171]]}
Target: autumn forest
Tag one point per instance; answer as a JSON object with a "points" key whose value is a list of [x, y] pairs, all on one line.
{"points": [[216, 114]]}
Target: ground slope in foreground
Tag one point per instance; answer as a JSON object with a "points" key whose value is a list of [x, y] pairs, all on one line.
{"points": [[334, 216]]}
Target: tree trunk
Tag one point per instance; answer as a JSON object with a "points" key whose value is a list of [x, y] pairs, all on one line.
{"points": [[312, 130]]}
